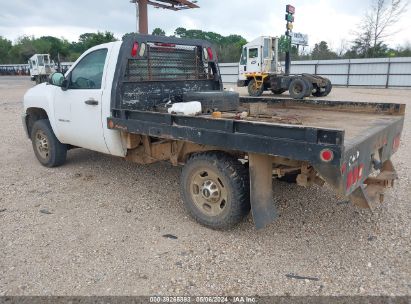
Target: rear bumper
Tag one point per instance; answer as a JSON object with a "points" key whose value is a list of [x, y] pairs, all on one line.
{"points": [[370, 194]]}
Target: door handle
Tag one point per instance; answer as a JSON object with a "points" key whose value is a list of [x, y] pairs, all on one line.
{"points": [[91, 102]]}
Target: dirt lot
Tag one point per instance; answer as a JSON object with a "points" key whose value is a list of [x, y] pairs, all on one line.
{"points": [[95, 227]]}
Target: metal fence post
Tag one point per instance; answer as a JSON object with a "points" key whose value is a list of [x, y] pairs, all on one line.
{"points": [[348, 74], [388, 74]]}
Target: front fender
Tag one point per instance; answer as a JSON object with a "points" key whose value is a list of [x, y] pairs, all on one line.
{"points": [[42, 97]]}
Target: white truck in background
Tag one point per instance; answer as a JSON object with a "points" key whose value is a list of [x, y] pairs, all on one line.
{"points": [[41, 67], [260, 70]]}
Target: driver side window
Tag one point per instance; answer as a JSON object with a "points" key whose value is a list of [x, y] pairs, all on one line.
{"points": [[88, 73]]}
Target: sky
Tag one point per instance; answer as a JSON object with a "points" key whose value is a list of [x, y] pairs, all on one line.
{"points": [[333, 21]]}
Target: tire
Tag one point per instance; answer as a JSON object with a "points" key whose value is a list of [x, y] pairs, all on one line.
{"points": [[278, 91], [309, 88], [328, 88], [298, 88], [253, 90], [326, 92], [215, 189], [47, 148], [214, 100]]}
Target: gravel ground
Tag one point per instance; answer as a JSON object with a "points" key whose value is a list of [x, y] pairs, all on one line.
{"points": [[95, 227]]}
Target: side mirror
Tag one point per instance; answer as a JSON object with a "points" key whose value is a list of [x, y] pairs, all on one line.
{"points": [[65, 84], [56, 79]]}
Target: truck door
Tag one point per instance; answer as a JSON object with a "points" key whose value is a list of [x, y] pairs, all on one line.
{"points": [[242, 67], [254, 59], [78, 109]]}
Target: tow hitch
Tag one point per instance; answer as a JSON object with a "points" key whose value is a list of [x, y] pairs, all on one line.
{"points": [[371, 193]]}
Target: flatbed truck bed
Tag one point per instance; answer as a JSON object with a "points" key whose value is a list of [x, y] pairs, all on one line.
{"points": [[343, 142]]}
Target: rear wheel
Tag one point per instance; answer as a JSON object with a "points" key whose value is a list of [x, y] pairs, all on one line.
{"points": [[47, 148], [325, 92], [215, 189], [299, 88], [328, 88], [254, 90], [310, 87]]}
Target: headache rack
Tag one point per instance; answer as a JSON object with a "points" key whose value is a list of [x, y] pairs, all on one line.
{"points": [[154, 70], [169, 62]]}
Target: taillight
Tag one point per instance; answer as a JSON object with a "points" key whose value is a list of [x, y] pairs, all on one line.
{"points": [[396, 143], [355, 175], [327, 155], [205, 52], [210, 54], [142, 49], [134, 50], [349, 180], [169, 45]]}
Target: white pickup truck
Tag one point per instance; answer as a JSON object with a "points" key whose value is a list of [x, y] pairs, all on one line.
{"points": [[117, 99]]}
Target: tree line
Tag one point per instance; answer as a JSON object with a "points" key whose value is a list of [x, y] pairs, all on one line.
{"points": [[369, 42]]}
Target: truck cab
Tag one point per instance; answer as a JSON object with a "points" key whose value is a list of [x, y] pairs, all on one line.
{"points": [[259, 56], [260, 70]]}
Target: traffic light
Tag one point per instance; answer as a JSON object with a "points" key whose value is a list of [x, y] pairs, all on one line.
{"points": [[289, 17], [290, 9]]}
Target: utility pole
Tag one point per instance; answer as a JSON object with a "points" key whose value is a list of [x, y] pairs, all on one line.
{"points": [[142, 10]]}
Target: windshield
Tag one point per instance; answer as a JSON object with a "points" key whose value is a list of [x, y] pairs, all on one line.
{"points": [[41, 60]]}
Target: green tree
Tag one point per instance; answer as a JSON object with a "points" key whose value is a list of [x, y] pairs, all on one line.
{"points": [[5, 48], [376, 26], [284, 45], [321, 51], [158, 32], [23, 49], [228, 47], [88, 40], [404, 51]]}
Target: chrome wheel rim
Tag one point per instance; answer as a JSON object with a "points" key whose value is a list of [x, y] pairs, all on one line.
{"points": [[208, 192], [42, 144]]}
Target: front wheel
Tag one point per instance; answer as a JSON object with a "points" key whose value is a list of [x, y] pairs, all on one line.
{"points": [[253, 88], [215, 189], [49, 151]]}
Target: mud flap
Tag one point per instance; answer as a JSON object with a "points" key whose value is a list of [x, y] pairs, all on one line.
{"points": [[371, 194], [261, 190]]}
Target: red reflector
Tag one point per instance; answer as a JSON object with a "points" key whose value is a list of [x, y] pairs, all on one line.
{"points": [[343, 168], [349, 180], [355, 175], [134, 50], [327, 155], [360, 171], [210, 53], [396, 143]]}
